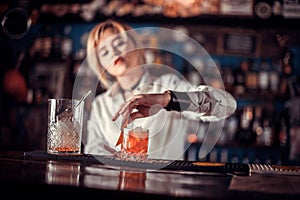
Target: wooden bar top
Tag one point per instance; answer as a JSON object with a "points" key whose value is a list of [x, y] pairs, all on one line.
{"points": [[30, 174]]}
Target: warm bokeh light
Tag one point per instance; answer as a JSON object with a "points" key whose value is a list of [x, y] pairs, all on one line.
{"points": [[192, 138]]}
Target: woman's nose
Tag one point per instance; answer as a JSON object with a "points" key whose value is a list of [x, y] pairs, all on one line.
{"points": [[116, 51]]}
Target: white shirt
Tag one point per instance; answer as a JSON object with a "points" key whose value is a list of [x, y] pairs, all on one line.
{"points": [[168, 129]]}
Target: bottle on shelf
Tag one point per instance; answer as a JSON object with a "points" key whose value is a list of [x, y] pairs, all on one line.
{"points": [[245, 135], [257, 126], [228, 78], [274, 77], [283, 133], [264, 78], [251, 80], [66, 43], [239, 80], [267, 133], [286, 58]]}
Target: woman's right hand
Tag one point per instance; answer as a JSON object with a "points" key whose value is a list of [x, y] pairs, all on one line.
{"points": [[142, 105]]}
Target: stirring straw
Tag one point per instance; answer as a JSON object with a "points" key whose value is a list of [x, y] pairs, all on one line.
{"points": [[83, 98]]}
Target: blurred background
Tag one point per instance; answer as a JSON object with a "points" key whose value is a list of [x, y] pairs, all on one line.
{"points": [[255, 44]]}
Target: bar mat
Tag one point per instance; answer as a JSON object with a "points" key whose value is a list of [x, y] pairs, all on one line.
{"points": [[181, 165], [274, 169]]}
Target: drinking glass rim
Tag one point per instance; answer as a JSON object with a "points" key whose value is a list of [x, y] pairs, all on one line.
{"points": [[63, 99]]}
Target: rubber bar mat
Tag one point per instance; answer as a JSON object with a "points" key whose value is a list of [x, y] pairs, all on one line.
{"points": [[197, 166], [274, 169]]}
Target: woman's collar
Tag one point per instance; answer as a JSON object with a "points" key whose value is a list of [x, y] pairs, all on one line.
{"points": [[116, 89]]}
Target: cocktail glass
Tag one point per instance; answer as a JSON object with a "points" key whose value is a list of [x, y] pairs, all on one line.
{"points": [[135, 144]]}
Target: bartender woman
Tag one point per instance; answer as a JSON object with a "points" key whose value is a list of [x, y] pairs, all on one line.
{"points": [[165, 103]]}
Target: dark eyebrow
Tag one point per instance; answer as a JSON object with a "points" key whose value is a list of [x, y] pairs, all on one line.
{"points": [[129, 38], [102, 48], [118, 37]]}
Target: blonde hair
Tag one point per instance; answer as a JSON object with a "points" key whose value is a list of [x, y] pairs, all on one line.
{"points": [[94, 40]]}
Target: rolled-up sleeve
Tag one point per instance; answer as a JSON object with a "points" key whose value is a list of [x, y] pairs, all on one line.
{"points": [[213, 103], [210, 104], [199, 102]]}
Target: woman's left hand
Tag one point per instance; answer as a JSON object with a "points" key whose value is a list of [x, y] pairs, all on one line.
{"points": [[142, 105]]}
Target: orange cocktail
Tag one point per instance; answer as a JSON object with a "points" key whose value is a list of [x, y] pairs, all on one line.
{"points": [[135, 143]]}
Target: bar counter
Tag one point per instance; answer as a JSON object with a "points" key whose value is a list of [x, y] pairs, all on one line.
{"points": [[30, 174]]}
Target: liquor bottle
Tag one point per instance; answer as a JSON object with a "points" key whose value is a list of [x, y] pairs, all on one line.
{"points": [[251, 80], [228, 78], [56, 46], [245, 134], [283, 134], [274, 77], [257, 127], [239, 80], [66, 43], [287, 72], [286, 57], [231, 128], [264, 78], [267, 132]]}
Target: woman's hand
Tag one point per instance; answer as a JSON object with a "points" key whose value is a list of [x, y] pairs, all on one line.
{"points": [[142, 105]]}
